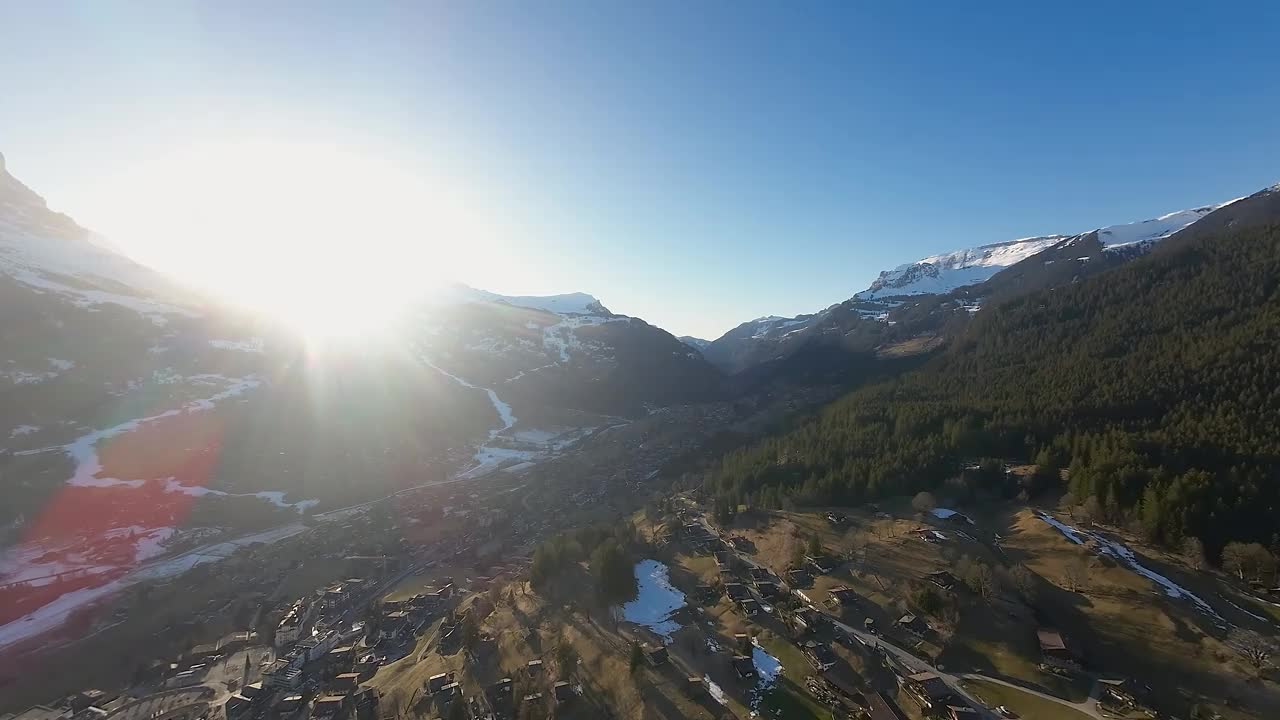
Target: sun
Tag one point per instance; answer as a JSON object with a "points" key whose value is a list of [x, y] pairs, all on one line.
{"points": [[335, 243]]}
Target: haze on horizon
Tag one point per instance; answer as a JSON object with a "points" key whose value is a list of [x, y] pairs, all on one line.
{"points": [[694, 167]]}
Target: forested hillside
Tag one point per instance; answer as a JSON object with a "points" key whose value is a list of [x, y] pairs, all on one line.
{"points": [[1157, 385]]}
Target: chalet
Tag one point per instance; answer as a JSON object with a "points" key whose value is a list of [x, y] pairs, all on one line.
{"points": [[450, 692], [942, 579], [769, 589], [563, 691], [799, 577], [807, 620], [288, 705], [435, 682], [1125, 693], [819, 655], [737, 592], [365, 703], [656, 655], [927, 689], [501, 693], [911, 624], [843, 596], [744, 667], [394, 625], [821, 564], [533, 668], [1053, 648], [880, 707], [344, 683], [341, 657], [334, 597], [330, 707]]}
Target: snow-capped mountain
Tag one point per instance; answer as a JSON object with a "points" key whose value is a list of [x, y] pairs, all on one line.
{"points": [[97, 351], [899, 299], [696, 343]]}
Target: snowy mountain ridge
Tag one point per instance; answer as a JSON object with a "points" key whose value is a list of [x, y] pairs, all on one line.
{"points": [[943, 273]]}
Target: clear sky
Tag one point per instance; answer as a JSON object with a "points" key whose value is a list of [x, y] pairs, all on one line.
{"points": [[695, 164]]}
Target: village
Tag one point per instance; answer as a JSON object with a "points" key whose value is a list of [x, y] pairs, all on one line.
{"points": [[904, 609]]}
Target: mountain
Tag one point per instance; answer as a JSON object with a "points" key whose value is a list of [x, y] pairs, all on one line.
{"points": [[103, 360], [936, 296], [694, 342], [1154, 383]]}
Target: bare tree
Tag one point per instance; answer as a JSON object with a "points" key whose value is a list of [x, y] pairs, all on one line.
{"points": [[1091, 511], [982, 580], [1193, 552], [1069, 502], [1024, 581], [1075, 574], [924, 502], [1235, 558], [1254, 647]]}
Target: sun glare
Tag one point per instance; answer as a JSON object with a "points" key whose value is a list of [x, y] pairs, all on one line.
{"points": [[334, 243]]}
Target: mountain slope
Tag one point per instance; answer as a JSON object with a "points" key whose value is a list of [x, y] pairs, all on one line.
{"points": [[1155, 382], [938, 294]]}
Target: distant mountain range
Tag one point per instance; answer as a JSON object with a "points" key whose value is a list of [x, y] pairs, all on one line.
{"points": [[930, 295]]}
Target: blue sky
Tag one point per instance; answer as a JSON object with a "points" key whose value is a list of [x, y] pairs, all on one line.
{"points": [[694, 164]]}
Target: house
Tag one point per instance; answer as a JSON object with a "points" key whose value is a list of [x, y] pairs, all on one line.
{"points": [[807, 620], [880, 707], [344, 683], [1126, 693], [769, 589], [1053, 648], [819, 655], [394, 625], [563, 691], [942, 579], [365, 703], [737, 592], [533, 668], [450, 692], [750, 608], [329, 707], [435, 682], [740, 543], [742, 642], [501, 693], [927, 689], [744, 667], [758, 575], [843, 596], [799, 577], [821, 564], [656, 655], [911, 624], [288, 705], [724, 560]]}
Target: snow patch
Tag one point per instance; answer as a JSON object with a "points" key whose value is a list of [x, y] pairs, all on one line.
{"points": [[1121, 552], [656, 599]]}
